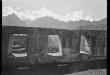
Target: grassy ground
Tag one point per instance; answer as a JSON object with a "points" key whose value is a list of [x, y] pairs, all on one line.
{"points": [[91, 72]]}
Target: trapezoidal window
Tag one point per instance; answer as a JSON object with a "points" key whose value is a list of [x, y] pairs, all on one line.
{"points": [[85, 45], [17, 45], [54, 45]]}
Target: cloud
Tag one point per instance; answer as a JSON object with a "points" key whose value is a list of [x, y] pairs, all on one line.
{"points": [[7, 11], [33, 14], [76, 15], [89, 18]]}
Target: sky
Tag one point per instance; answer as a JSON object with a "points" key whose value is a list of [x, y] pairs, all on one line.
{"points": [[59, 9]]}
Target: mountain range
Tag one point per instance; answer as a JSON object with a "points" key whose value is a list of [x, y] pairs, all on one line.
{"points": [[49, 22]]}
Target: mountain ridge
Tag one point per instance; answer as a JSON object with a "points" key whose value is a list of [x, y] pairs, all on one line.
{"points": [[49, 22]]}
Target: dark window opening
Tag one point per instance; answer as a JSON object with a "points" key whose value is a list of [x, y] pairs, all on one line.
{"points": [[67, 41], [64, 42], [99, 46]]}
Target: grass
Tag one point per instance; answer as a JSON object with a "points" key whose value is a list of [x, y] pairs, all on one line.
{"points": [[91, 72]]}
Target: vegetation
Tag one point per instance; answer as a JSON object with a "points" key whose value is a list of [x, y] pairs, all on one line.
{"points": [[91, 72]]}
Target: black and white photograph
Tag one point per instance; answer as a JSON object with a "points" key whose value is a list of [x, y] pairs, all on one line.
{"points": [[54, 37]]}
